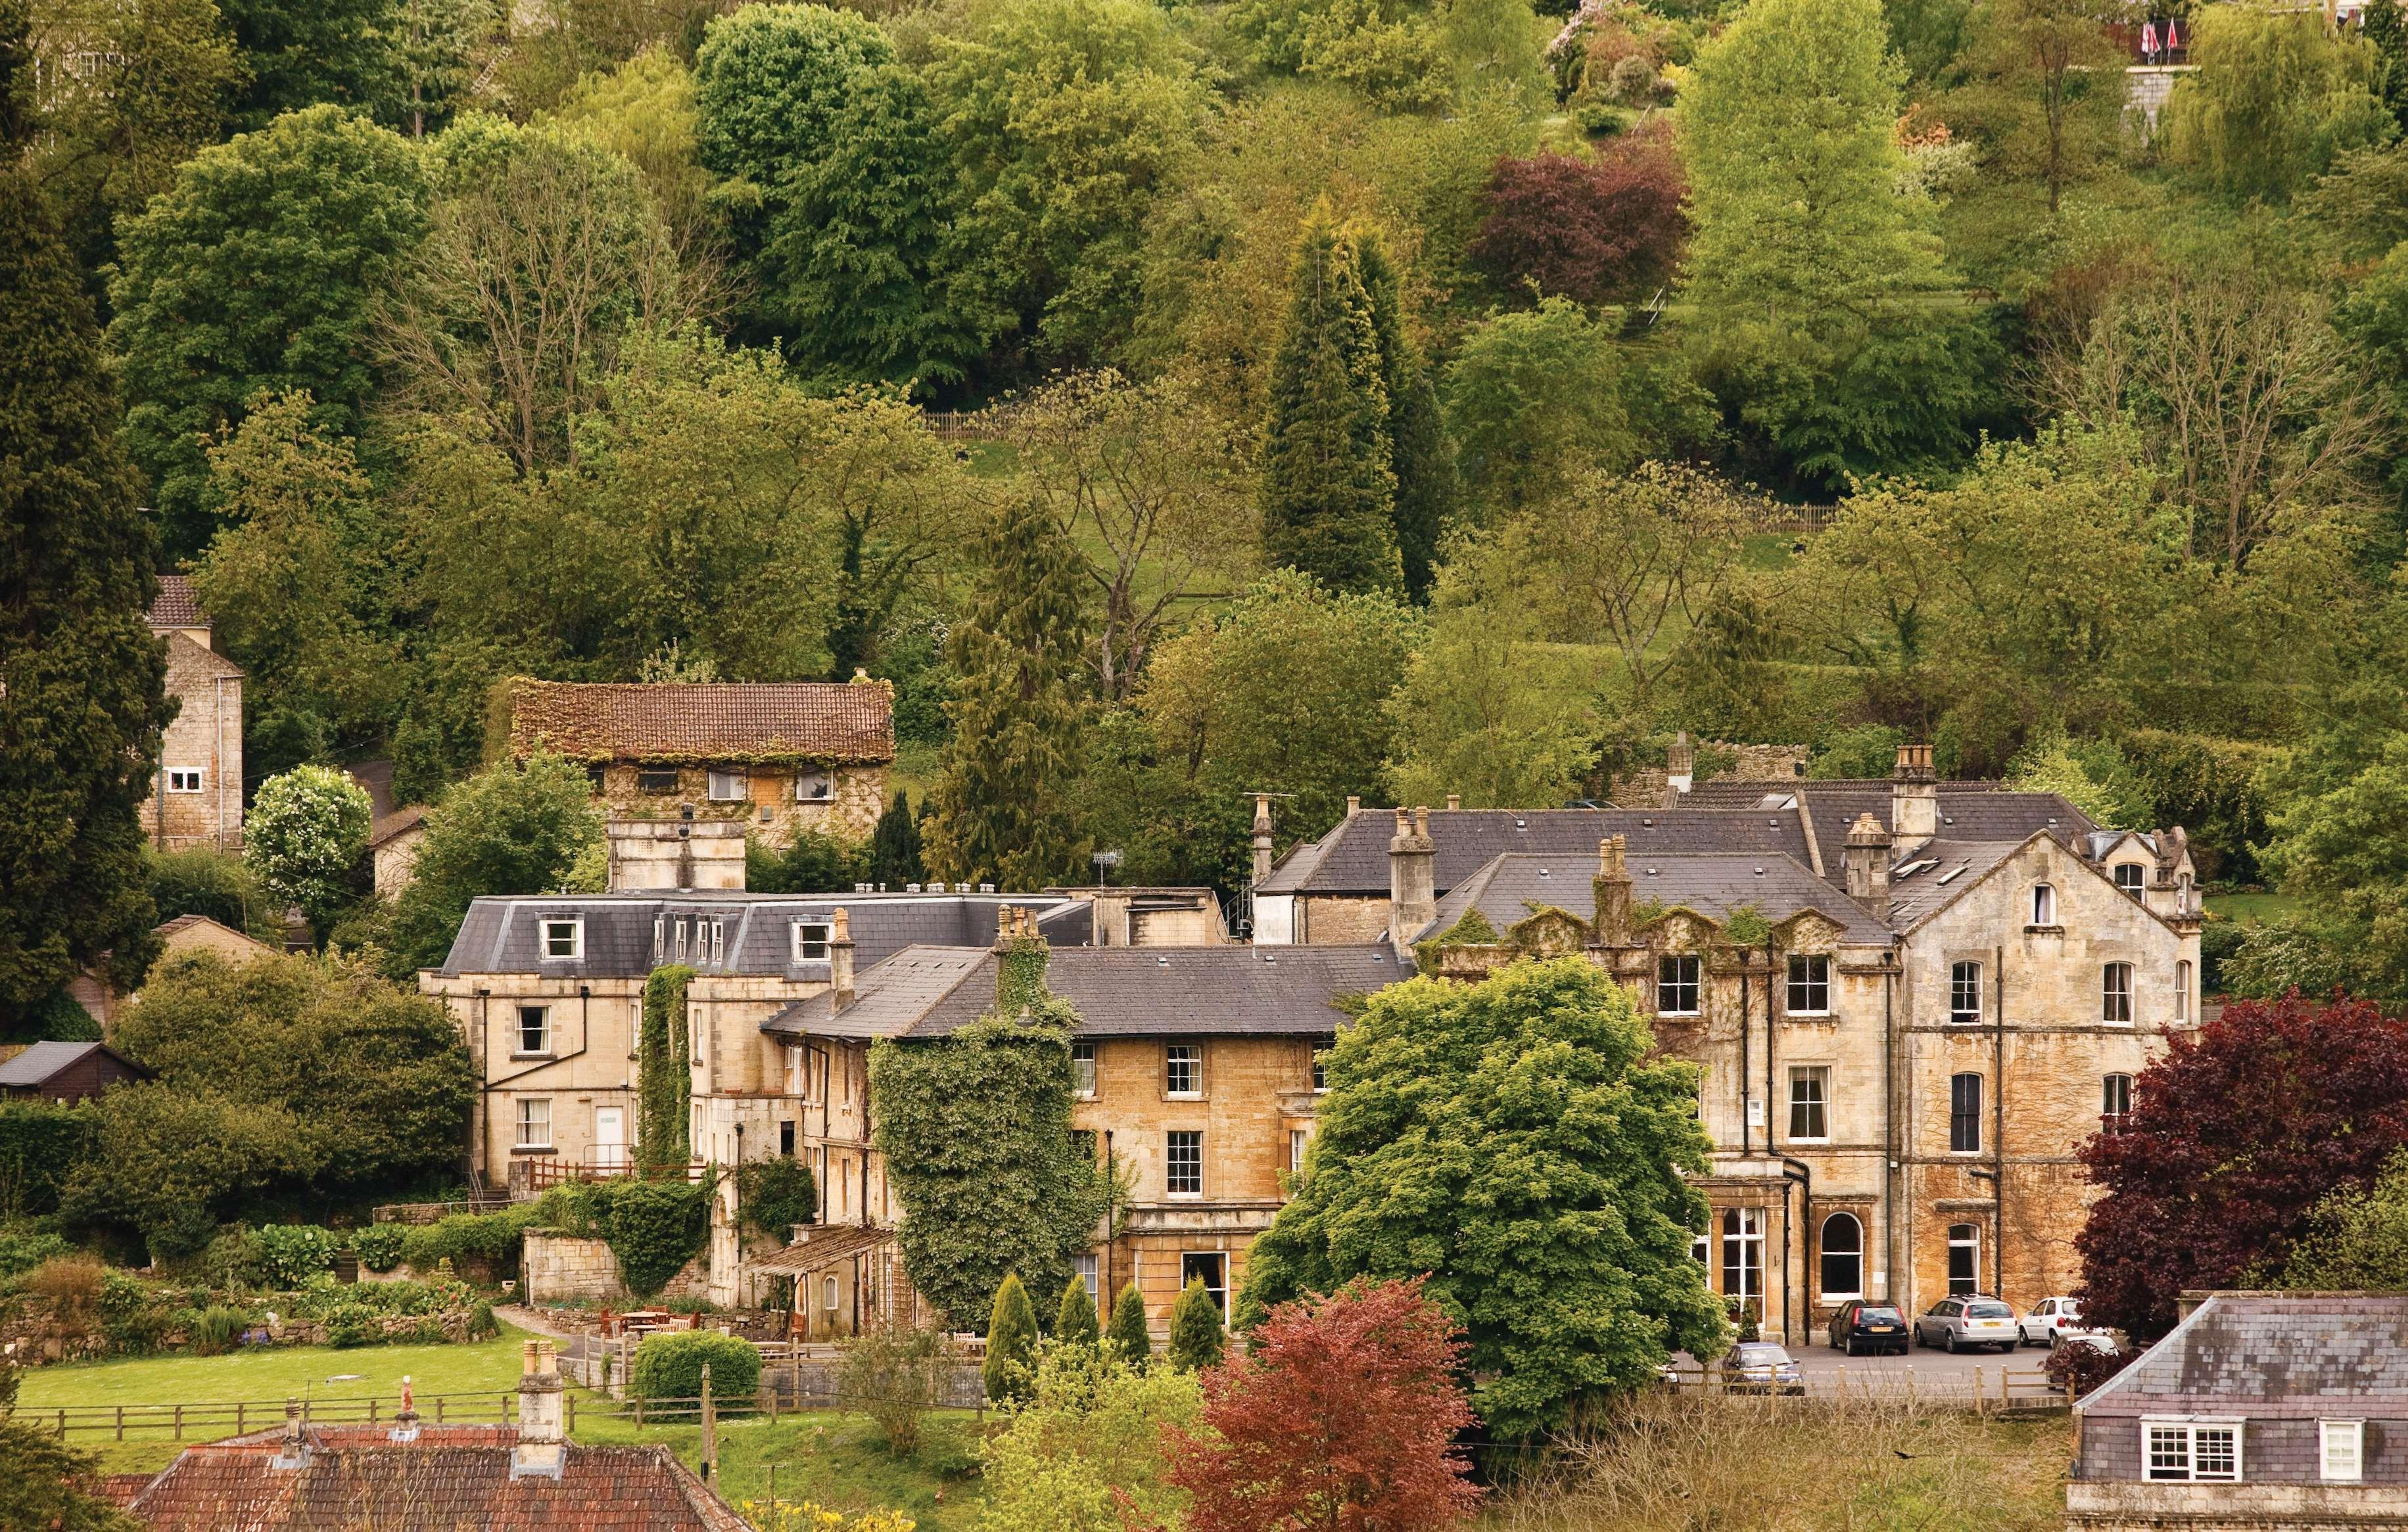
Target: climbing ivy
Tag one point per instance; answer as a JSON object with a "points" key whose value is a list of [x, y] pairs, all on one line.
{"points": [[664, 1080]]}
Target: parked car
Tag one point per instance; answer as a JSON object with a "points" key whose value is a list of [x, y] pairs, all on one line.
{"points": [[2097, 1340], [1861, 1327], [2050, 1318], [1960, 1324], [1759, 1366]]}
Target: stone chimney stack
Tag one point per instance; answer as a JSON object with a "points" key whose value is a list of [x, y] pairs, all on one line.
{"points": [[1612, 889], [684, 853], [1020, 961], [542, 1448], [1454, 802], [292, 1450], [1354, 805], [1865, 862], [1262, 836], [1412, 877], [1914, 797], [840, 955], [1680, 766]]}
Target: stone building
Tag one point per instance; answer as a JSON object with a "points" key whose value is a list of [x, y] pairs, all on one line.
{"points": [[778, 759], [197, 798], [2261, 1411], [101, 999], [1905, 1032], [394, 840]]}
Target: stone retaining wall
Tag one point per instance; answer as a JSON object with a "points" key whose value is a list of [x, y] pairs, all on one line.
{"points": [[563, 1268]]}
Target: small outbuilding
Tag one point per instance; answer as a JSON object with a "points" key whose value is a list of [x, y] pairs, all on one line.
{"points": [[64, 1072]]}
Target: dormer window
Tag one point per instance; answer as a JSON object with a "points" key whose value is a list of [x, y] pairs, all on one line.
{"points": [[563, 939], [2131, 878], [2043, 904], [812, 941], [813, 784]]}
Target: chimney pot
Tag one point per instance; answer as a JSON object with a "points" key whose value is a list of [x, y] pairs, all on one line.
{"points": [[1354, 805], [1454, 801], [1914, 800]]}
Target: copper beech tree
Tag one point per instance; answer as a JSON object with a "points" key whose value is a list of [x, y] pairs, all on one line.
{"points": [[1341, 1417]]}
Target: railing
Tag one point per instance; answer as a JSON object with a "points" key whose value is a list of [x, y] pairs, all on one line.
{"points": [[431, 1212], [1984, 1391], [210, 1422], [554, 1172], [962, 424]]}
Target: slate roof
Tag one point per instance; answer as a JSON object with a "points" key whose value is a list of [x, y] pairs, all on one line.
{"points": [[177, 606], [1941, 870], [1750, 793], [2277, 1353], [1714, 886], [451, 1477], [694, 722], [755, 930], [1996, 815], [41, 1062], [1122, 992], [1353, 858], [400, 822]]}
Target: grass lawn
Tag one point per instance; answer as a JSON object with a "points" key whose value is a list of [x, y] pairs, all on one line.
{"points": [[835, 1460], [2252, 909]]}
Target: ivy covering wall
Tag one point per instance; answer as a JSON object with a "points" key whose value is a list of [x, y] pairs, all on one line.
{"points": [[664, 1080]]}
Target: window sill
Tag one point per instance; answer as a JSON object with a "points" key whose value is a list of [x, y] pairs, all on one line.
{"points": [[1808, 1015], [1183, 1196], [533, 1149], [1183, 1095], [1680, 1015], [2044, 930], [525, 1058], [1793, 1141]]}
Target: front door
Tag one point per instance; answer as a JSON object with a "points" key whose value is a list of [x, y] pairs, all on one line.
{"points": [[610, 1137]]}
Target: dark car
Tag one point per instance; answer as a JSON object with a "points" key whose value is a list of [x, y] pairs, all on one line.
{"points": [[1875, 1328], [1758, 1366]]}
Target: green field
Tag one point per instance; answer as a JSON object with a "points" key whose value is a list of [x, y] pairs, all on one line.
{"points": [[2252, 909]]}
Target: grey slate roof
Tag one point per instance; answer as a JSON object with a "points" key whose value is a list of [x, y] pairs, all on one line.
{"points": [[1353, 858], [504, 935], [1713, 884], [1742, 792], [1124, 992], [1989, 816], [40, 1060], [2276, 1352], [1942, 869]]}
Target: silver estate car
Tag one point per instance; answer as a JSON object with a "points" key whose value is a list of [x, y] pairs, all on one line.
{"points": [[1961, 1323]]}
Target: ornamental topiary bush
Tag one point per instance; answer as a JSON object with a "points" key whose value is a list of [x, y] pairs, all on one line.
{"points": [[289, 1254], [1197, 1335], [669, 1367], [379, 1245], [1010, 1368], [1127, 1331]]}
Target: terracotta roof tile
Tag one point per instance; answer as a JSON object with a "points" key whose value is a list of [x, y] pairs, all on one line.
{"points": [[799, 721], [177, 606]]}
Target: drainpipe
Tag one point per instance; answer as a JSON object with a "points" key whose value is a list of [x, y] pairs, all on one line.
{"points": [[1999, 1135], [1893, 1151], [1746, 1139], [1804, 1179], [1771, 1105]]}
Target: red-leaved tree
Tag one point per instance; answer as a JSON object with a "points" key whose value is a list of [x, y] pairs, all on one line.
{"points": [[1589, 229], [2235, 1133], [1341, 1417]]}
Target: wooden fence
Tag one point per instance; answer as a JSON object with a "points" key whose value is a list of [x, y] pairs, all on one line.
{"points": [[1986, 1391]]}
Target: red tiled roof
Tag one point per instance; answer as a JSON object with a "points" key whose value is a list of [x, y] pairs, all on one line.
{"points": [[177, 606], [678, 722], [451, 1477]]}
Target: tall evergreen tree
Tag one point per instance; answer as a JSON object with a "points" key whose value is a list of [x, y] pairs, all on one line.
{"points": [[82, 682], [1128, 1329], [1004, 799], [1074, 1322], [2386, 29], [1330, 478], [1419, 453], [1010, 1368], [1197, 1335], [895, 857]]}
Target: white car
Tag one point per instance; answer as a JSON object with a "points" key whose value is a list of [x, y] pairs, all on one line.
{"points": [[2050, 1320]]}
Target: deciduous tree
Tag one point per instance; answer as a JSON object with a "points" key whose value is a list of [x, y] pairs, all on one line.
{"points": [[2237, 1132], [2274, 98], [2046, 91], [1590, 227], [515, 829], [1085, 1452]]}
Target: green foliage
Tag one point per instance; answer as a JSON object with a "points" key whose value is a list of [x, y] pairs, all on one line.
{"points": [[491, 1238], [56, 1017], [2358, 1240], [2277, 97], [656, 1227], [305, 833], [23, 1249], [170, 1162], [379, 1245], [81, 703], [1086, 1451], [2338, 841], [1558, 1219], [296, 53], [663, 1081], [255, 274], [895, 1375], [1471, 929], [291, 1253], [204, 881], [2090, 775], [1004, 799], [775, 1195], [514, 828], [668, 1366], [1532, 397], [45, 1483], [976, 1131], [817, 861], [1132, 1343], [1009, 1370], [1075, 1323], [1197, 1335], [895, 847], [2314, 957]]}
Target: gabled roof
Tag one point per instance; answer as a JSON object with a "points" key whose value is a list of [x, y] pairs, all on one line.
{"points": [[1714, 884], [177, 606], [1935, 874], [42, 1062], [191, 653], [1129, 992], [400, 822], [1353, 858], [839, 721], [2272, 1354]]}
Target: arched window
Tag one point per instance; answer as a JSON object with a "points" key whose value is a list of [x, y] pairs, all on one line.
{"points": [[1844, 1257], [2116, 993], [2131, 876], [2043, 904]]}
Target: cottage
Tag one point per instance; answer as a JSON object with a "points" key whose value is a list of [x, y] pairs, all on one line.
{"points": [[197, 798], [392, 848], [64, 1073], [776, 758], [92, 989], [2260, 1410]]}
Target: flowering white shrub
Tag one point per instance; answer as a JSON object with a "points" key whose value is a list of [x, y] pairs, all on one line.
{"points": [[305, 833]]}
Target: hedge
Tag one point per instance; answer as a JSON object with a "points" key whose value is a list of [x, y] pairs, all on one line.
{"points": [[669, 1365], [482, 1236], [379, 1245]]}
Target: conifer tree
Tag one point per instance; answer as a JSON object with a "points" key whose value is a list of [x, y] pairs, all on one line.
{"points": [[1004, 798], [895, 857], [1075, 1324], [1127, 1331], [1197, 1337], [1330, 480], [82, 680], [1010, 1368], [1420, 454]]}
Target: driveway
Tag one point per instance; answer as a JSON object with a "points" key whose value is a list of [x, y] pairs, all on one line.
{"points": [[1830, 1374]]}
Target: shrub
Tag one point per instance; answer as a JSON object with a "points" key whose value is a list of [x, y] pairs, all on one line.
{"points": [[71, 1286], [1074, 1322], [21, 1250], [2085, 1369], [776, 1195], [656, 1227], [1010, 1365], [462, 1236], [292, 1254], [482, 1325], [352, 1325], [215, 1328], [231, 1258], [1589, 228], [894, 1376], [1197, 1335], [40, 1144], [134, 1316], [1127, 1331], [669, 1367], [379, 1245], [305, 832], [1086, 1453]]}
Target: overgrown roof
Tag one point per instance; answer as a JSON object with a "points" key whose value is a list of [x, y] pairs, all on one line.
{"points": [[835, 722]]}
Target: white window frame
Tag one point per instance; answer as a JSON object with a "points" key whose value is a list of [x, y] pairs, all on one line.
{"points": [[1742, 1251], [804, 942], [542, 1033], [2348, 1466], [549, 933], [186, 779], [1299, 1139], [1679, 965], [1084, 1265], [1171, 1160], [1823, 1254], [1191, 1054], [2140, 880], [1815, 1101], [1974, 1245], [1804, 968], [1321, 1068], [2043, 904], [1083, 1070], [1959, 975], [526, 1120], [2115, 994], [2116, 1095], [2182, 990], [721, 785], [807, 777], [2187, 1430]]}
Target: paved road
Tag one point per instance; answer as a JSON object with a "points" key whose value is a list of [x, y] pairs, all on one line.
{"points": [[1931, 1373]]}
